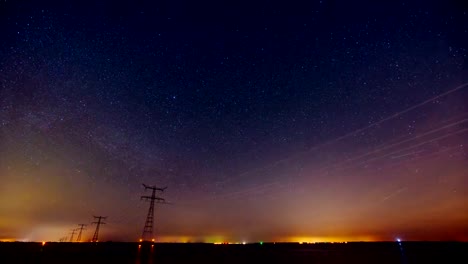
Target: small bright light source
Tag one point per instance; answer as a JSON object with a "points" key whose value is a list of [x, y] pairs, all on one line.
{"points": [[261, 242], [141, 240], [243, 243], [398, 240], [152, 245], [139, 246], [43, 243], [152, 239]]}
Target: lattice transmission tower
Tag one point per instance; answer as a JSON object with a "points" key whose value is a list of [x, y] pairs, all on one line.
{"points": [[98, 223], [148, 229], [82, 227], [72, 234]]}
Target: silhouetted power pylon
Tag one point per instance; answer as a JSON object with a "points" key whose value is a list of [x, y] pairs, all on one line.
{"points": [[98, 224], [82, 227], [148, 229], [72, 234]]}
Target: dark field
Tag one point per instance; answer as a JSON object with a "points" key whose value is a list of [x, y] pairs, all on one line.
{"points": [[384, 252]]}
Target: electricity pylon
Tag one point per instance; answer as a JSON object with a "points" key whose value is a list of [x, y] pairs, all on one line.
{"points": [[148, 229], [82, 227], [98, 224], [72, 234]]}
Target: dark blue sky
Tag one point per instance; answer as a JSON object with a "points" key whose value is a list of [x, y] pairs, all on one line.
{"points": [[194, 94]]}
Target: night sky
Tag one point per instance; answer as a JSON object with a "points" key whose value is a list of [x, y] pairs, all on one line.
{"points": [[267, 120]]}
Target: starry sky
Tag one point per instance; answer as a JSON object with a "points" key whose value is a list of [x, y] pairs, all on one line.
{"points": [[267, 120]]}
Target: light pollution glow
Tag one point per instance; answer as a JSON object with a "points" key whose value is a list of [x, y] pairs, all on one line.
{"points": [[413, 206], [269, 128]]}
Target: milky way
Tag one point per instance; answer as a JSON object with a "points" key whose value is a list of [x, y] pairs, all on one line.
{"points": [[331, 120]]}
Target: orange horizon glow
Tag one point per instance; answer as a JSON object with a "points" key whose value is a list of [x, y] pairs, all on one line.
{"points": [[285, 239]]}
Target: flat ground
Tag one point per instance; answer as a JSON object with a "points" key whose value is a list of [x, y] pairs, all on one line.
{"points": [[113, 253]]}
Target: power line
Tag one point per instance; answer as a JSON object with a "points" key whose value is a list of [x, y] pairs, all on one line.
{"points": [[98, 224], [292, 157], [372, 155], [389, 146]]}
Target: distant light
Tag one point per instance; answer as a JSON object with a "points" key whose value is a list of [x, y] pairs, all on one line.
{"points": [[261, 242], [43, 243], [141, 240], [398, 240], [152, 239], [152, 245], [139, 246], [243, 243]]}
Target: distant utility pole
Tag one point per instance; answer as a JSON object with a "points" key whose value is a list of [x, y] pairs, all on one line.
{"points": [[72, 234], [98, 224], [148, 229], [82, 227]]}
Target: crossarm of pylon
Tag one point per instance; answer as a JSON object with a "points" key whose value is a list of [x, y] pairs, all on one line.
{"points": [[146, 198]]}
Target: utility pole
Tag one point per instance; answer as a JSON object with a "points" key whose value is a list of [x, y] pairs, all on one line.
{"points": [[98, 224], [72, 234], [82, 227], [148, 229]]}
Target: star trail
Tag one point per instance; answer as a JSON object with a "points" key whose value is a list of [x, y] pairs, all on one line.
{"points": [[268, 121]]}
